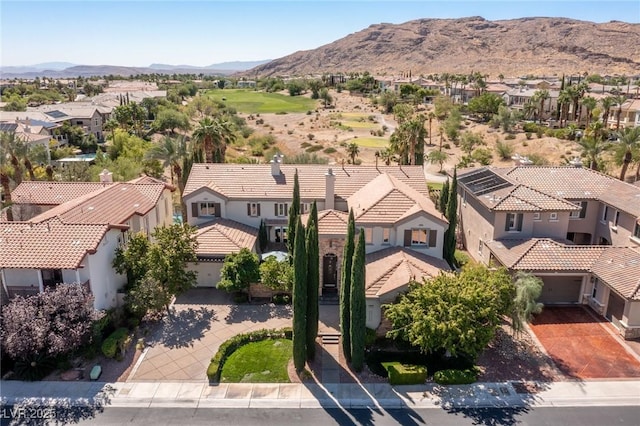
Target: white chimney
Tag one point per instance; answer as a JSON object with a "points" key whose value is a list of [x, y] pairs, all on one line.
{"points": [[330, 190], [106, 176], [275, 165]]}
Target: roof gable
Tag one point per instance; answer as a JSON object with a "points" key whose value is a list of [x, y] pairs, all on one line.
{"points": [[224, 236]]}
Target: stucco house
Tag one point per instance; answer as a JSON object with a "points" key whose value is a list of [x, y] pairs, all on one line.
{"points": [[71, 231], [577, 229], [390, 204]]}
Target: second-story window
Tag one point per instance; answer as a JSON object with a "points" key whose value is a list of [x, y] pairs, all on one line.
{"points": [[281, 209], [386, 232], [513, 222], [616, 218], [419, 237], [253, 209], [305, 208], [208, 209], [553, 216], [636, 231], [605, 213], [368, 235]]}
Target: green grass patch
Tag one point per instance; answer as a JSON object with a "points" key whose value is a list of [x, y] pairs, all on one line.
{"points": [[368, 125], [252, 102], [405, 374], [259, 362], [371, 142], [435, 186]]}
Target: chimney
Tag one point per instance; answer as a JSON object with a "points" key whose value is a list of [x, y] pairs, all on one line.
{"points": [[275, 165], [106, 176], [329, 190]]}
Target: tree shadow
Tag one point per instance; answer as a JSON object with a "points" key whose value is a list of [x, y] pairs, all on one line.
{"points": [[183, 327], [257, 312], [48, 410]]}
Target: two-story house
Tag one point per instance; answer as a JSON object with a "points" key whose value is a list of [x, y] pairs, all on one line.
{"points": [[390, 204], [75, 240], [570, 226]]}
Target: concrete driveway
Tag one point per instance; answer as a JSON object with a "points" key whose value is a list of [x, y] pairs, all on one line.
{"points": [[582, 345], [204, 318]]}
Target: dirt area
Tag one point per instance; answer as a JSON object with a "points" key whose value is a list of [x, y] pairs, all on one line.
{"points": [[359, 118]]}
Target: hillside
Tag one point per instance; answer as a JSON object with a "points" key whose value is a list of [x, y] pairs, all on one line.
{"points": [[539, 46]]}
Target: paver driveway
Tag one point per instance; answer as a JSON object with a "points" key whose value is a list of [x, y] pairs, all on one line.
{"points": [[204, 318], [583, 346]]}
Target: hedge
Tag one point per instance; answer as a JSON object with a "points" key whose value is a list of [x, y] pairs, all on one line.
{"points": [[230, 346], [116, 340], [455, 377], [405, 374]]}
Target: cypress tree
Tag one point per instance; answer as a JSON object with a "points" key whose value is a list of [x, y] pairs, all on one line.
{"points": [[449, 248], [358, 305], [263, 237], [294, 211], [345, 287], [444, 197], [299, 299], [313, 281]]}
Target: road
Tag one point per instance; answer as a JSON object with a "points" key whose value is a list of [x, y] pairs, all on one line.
{"points": [[584, 416]]}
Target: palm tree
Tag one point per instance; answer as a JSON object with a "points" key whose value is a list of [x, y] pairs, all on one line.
{"points": [[541, 97], [564, 100], [529, 109], [387, 156], [619, 100], [431, 116], [592, 147], [607, 103], [629, 140], [170, 151], [212, 137], [589, 103], [353, 150]]}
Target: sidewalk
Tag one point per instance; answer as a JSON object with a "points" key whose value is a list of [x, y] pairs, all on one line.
{"points": [[289, 395]]}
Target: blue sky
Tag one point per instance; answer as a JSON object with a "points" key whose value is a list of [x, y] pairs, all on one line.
{"points": [[138, 33]]}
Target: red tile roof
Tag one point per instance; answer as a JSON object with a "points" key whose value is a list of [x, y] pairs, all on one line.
{"points": [[47, 245], [223, 237], [620, 268], [330, 222], [52, 193], [391, 269]]}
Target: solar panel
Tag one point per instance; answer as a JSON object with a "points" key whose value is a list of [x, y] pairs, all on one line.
{"points": [[8, 127], [56, 114], [483, 181]]}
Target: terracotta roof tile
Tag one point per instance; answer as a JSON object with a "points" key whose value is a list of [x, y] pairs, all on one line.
{"points": [[248, 181], [509, 252], [522, 198], [47, 245], [52, 193], [224, 236], [391, 269], [620, 268], [330, 222], [548, 255]]}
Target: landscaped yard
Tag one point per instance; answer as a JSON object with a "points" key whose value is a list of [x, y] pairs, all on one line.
{"points": [[372, 142], [259, 362], [252, 102]]}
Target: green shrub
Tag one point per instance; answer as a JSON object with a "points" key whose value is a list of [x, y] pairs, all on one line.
{"points": [[305, 145], [114, 342], [455, 377], [461, 257], [329, 150], [446, 146], [528, 135], [230, 346], [530, 127], [281, 299], [314, 148], [482, 156], [369, 337], [405, 374], [540, 132], [504, 150], [510, 137]]}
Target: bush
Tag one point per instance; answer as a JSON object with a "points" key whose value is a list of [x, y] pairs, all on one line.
{"points": [[446, 146], [115, 341], [231, 345], [314, 148], [482, 156], [461, 257], [369, 337], [329, 150], [455, 377], [311, 136], [528, 135], [510, 137], [405, 374], [504, 150], [530, 127], [281, 299]]}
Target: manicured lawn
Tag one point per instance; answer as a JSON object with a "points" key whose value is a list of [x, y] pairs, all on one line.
{"points": [[372, 142], [252, 102], [259, 362], [435, 186]]}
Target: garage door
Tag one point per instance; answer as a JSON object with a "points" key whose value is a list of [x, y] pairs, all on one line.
{"points": [[615, 308], [559, 290], [208, 273]]}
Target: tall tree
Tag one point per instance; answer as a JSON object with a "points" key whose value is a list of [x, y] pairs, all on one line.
{"points": [[619, 99], [352, 151], [358, 305], [313, 281], [211, 137], [299, 299], [294, 212], [607, 103], [449, 248], [589, 103], [629, 141], [525, 304], [541, 97], [345, 287], [444, 197], [592, 148]]}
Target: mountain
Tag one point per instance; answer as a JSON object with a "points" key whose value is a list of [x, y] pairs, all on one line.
{"points": [[238, 65], [514, 47], [55, 66]]}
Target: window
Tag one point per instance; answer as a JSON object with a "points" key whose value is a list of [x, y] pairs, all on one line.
{"points": [[386, 233], [605, 213], [95, 121], [553, 216], [595, 289], [536, 216], [368, 235], [207, 209], [480, 245], [582, 213], [304, 208], [616, 218], [253, 209], [464, 197], [281, 209], [419, 237], [514, 222], [636, 231]]}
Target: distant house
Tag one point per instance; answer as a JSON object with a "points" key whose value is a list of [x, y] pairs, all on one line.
{"points": [[629, 114], [391, 204], [575, 228], [70, 231], [245, 84]]}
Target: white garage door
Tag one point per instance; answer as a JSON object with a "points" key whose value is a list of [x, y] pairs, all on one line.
{"points": [[561, 290], [208, 273]]}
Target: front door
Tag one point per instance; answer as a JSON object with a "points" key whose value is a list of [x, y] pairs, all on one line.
{"points": [[330, 272]]}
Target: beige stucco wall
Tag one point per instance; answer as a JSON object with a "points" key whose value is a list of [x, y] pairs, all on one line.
{"points": [[374, 313], [476, 222]]}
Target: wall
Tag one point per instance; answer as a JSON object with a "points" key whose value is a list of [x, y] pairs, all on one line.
{"points": [[422, 221], [617, 235], [374, 314], [587, 224], [104, 280], [546, 227], [210, 197], [477, 224], [22, 277], [208, 273]]}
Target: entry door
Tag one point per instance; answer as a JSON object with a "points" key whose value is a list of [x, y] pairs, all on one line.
{"points": [[330, 270]]}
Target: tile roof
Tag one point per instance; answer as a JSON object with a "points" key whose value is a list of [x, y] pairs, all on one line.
{"points": [[113, 204], [330, 222], [52, 193], [386, 199], [620, 267], [224, 236], [391, 269], [251, 181], [522, 198], [47, 245]]}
